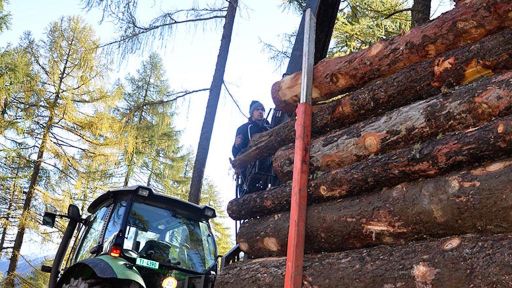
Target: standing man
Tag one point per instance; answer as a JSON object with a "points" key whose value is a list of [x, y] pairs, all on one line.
{"points": [[256, 124], [257, 175]]}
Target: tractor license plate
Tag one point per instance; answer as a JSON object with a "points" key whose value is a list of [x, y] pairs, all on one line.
{"points": [[147, 263]]}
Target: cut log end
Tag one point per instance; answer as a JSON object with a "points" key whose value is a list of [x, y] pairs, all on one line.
{"points": [[501, 128], [244, 246], [452, 243], [271, 244], [424, 274], [286, 93], [372, 141]]}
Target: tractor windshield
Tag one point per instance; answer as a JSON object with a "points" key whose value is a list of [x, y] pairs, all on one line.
{"points": [[160, 235]]}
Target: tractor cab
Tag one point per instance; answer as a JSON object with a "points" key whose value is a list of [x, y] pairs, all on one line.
{"points": [[134, 237]]}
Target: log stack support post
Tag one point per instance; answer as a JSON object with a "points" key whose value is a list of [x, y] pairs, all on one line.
{"points": [[298, 209]]}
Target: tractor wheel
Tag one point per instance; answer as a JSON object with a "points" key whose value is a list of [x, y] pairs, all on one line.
{"points": [[85, 283]]}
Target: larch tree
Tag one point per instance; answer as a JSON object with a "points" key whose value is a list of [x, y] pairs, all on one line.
{"points": [[151, 151], [70, 85], [4, 16], [361, 23], [96, 175], [14, 168], [211, 198], [98, 164], [16, 83], [37, 278]]}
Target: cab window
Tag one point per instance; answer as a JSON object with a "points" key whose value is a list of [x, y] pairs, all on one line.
{"points": [[114, 224], [92, 235], [208, 244]]}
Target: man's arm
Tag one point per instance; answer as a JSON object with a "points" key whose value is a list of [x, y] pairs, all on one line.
{"points": [[236, 146]]}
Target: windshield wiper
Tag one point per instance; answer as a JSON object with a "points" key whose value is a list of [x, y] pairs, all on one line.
{"points": [[169, 262]]}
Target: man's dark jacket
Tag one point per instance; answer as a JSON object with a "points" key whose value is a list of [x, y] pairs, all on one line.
{"points": [[248, 130]]}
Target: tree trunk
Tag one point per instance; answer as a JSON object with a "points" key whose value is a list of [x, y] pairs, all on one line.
{"points": [[469, 22], [203, 146], [466, 261], [420, 12], [130, 167], [460, 109], [477, 201], [12, 201], [25, 214], [417, 82], [434, 157]]}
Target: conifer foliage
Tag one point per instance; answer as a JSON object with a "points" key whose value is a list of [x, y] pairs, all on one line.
{"points": [[54, 120], [66, 135]]}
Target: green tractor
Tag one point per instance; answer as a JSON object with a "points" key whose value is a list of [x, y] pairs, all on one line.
{"points": [[134, 237]]}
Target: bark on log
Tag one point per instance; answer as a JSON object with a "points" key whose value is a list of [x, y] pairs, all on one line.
{"points": [[457, 110], [466, 261], [468, 22], [476, 201], [434, 157], [416, 82]]}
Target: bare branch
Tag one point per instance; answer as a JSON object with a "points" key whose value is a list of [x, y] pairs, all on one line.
{"points": [[398, 12], [175, 97], [233, 98]]}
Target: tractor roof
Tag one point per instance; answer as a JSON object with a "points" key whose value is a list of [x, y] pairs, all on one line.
{"points": [[148, 193]]}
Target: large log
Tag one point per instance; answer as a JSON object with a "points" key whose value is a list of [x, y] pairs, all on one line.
{"points": [[416, 82], [468, 22], [426, 160], [476, 201], [466, 261], [457, 110]]}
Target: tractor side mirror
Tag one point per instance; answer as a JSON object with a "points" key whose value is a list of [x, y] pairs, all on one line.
{"points": [[74, 213], [49, 219], [46, 269]]}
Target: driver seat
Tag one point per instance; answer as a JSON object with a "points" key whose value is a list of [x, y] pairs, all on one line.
{"points": [[155, 250]]}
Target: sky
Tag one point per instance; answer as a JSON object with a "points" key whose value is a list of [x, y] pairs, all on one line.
{"points": [[189, 59]]}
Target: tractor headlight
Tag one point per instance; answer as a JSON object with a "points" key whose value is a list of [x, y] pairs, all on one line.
{"points": [[169, 282], [143, 192]]}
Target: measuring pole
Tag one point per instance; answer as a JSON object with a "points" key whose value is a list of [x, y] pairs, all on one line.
{"points": [[296, 232]]}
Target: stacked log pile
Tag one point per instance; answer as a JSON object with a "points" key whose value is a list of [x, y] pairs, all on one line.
{"points": [[467, 261], [417, 147]]}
